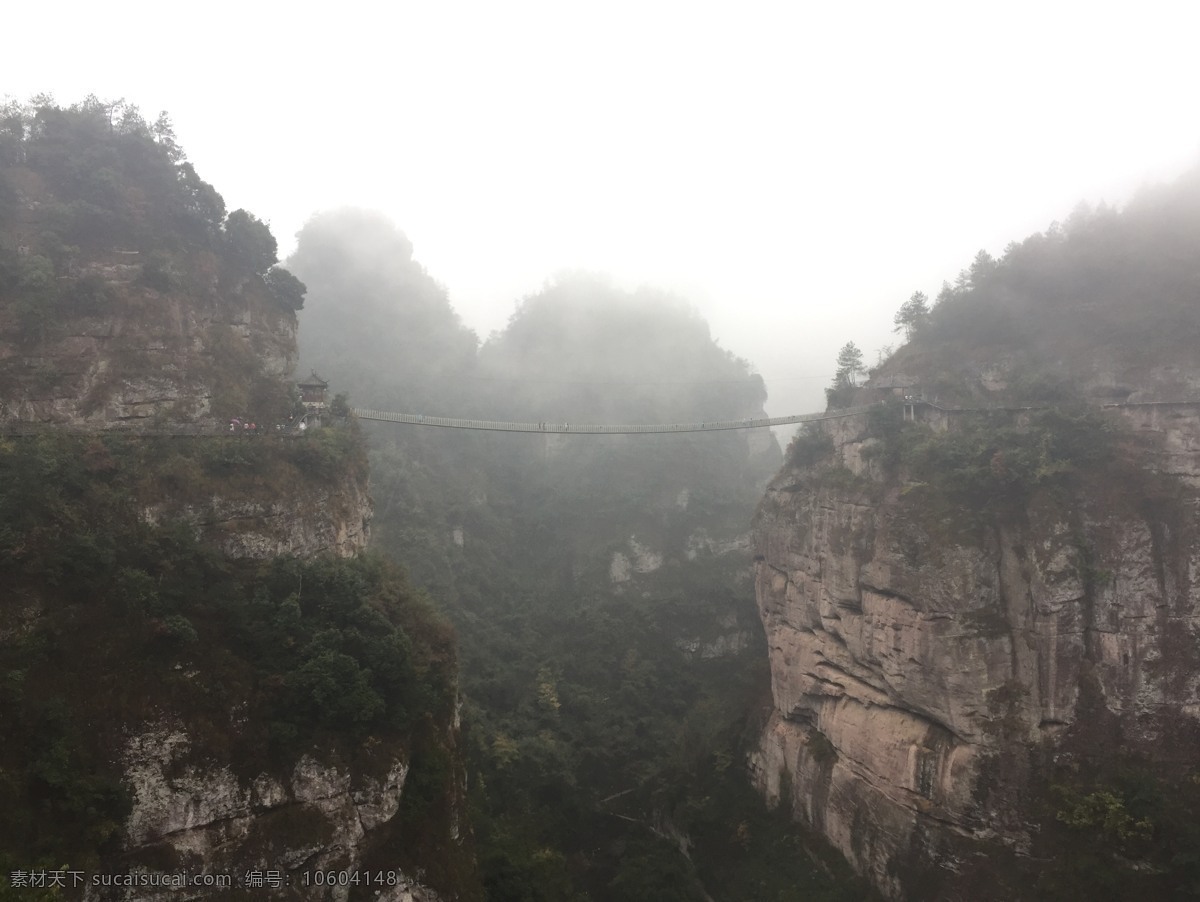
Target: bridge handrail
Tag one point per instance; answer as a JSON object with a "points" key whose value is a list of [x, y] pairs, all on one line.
{"points": [[18, 427], [602, 428], [716, 426]]}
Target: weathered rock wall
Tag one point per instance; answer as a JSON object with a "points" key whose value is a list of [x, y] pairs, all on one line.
{"points": [[270, 836], [310, 520], [910, 656], [142, 353]]}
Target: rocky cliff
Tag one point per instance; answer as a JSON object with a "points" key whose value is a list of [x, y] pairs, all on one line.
{"points": [[204, 678], [147, 354], [304, 836], [982, 612], [182, 697], [106, 336], [911, 652], [262, 497]]}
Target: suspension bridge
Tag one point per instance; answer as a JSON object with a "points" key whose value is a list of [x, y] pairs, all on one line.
{"points": [[603, 428], [18, 428], [910, 405]]}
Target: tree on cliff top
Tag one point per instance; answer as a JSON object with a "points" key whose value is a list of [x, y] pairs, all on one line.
{"points": [[285, 287], [111, 176], [250, 242], [912, 315], [849, 365]]}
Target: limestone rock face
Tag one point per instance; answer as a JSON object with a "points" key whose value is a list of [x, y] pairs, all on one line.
{"points": [[1178, 426], [309, 521], [145, 354], [908, 661], [639, 559], [200, 817]]}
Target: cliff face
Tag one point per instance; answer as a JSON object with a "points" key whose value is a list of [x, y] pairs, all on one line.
{"points": [[172, 332], [140, 353], [981, 607], [125, 296], [289, 831], [190, 694], [913, 665], [929, 661], [285, 833], [259, 500], [202, 675]]}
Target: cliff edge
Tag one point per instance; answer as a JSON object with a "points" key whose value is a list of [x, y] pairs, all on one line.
{"points": [[980, 598], [208, 688]]}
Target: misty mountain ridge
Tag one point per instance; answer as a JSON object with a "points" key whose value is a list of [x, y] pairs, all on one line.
{"points": [[1104, 306], [955, 652]]}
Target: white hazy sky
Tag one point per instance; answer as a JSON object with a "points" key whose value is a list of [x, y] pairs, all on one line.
{"points": [[795, 169]]}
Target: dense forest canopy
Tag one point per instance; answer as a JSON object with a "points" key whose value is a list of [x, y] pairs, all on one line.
{"points": [[98, 177], [1107, 299]]}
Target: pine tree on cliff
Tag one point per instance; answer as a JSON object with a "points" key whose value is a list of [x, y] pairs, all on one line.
{"points": [[912, 315], [849, 365]]}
